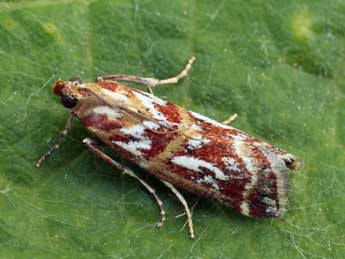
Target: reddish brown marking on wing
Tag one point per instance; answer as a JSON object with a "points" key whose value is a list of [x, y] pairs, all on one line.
{"points": [[110, 85], [159, 141], [232, 189], [101, 122], [116, 87], [213, 130], [170, 111]]}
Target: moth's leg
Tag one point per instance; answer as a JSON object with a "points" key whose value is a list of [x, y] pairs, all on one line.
{"points": [[61, 137], [149, 82], [185, 205], [231, 119], [125, 170]]}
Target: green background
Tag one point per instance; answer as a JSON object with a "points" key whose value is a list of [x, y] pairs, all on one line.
{"points": [[278, 64]]}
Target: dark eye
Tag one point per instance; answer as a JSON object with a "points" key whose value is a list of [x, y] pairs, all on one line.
{"points": [[68, 101]]}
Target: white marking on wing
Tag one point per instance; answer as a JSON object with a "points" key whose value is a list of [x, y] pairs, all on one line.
{"points": [[206, 119], [197, 143], [243, 151], [194, 164], [209, 180], [150, 98], [245, 207], [136, 131], [195, 127], [151, 125], [231, 164], [116, 96], [149, 102], [134, 146], [110, 112]]}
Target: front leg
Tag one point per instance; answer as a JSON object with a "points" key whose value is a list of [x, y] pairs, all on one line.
{"points": [[125, 170], [58, 143]]}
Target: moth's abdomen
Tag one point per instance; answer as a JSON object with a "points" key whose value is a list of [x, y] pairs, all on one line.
{"points": [[191, 151]]}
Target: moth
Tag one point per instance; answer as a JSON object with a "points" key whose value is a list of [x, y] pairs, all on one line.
{"points": [[183, 149]]}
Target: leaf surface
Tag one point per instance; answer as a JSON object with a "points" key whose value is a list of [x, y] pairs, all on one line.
{"points": [[278, 64]]}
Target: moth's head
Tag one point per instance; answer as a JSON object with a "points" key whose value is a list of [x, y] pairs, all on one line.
{"points": [[67, 91]]}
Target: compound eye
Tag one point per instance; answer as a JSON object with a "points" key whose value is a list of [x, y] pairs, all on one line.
{"points": [[68, 101]]}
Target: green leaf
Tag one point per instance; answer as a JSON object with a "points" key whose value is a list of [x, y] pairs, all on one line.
{"points": [[278, 64]]}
